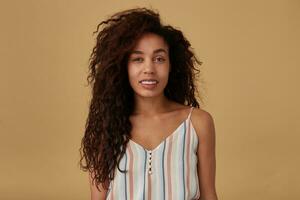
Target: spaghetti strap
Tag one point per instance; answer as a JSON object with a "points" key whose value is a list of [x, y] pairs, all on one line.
{"points": [[189, 116]]}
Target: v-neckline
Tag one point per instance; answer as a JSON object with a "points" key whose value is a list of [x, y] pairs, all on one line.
{"points": [[166, 139]]}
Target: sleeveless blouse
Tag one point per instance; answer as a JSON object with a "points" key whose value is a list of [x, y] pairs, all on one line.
{"points": [[167, 172]]}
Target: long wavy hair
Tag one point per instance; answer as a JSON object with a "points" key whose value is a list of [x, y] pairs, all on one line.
{"points": [[107, 129]]}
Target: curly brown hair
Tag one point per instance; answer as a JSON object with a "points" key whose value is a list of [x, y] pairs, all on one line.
{"points": [[107, 129]]}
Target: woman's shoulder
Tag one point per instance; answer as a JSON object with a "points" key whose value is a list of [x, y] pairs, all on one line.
{"points": [[201, 113], [202, 121]]}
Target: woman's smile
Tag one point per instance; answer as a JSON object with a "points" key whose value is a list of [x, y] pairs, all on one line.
{"points": [[149, 84]]}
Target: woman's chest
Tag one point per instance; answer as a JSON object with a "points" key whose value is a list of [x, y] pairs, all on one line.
{"points": [[172, 164]]}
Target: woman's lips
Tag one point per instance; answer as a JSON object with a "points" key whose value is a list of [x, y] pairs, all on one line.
{"points": [[149, 85]]}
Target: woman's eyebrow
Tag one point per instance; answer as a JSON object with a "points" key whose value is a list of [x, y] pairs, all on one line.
{"points": [[155, 51]]}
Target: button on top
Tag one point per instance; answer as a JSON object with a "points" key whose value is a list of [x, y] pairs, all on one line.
{"points": [[149, 161]]}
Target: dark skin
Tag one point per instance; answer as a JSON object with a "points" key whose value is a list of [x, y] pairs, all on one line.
{"points": [[205, 129]]}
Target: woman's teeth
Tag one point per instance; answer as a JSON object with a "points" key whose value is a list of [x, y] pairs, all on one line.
{"points": [[148, 82]]}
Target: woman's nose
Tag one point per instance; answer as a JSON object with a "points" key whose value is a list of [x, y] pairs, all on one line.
{"points": [[149, 66]]}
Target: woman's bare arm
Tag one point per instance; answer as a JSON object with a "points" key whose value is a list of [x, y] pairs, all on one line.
{"points": [[204, 125]]}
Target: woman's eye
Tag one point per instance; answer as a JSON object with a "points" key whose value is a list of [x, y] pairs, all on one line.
{"points": [[160, 59], [137, 59]]}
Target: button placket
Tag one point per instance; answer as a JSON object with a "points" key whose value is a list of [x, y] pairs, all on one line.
{"points": [[150, 162]]}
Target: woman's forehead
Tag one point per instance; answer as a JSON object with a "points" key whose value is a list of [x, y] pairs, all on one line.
{"points": [[152, 41]]}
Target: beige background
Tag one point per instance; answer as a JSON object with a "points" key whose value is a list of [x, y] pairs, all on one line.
{"points": [[250, 53]]}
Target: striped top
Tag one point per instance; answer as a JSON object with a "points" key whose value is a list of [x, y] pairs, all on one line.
{"points": [[167, 172]]}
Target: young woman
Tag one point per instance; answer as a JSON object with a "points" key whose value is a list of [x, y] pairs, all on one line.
{"points": [[146, 136]]}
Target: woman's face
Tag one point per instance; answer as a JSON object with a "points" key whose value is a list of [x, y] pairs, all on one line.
{"points": [[149, 60]]}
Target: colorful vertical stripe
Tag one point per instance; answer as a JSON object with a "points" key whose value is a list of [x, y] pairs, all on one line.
{"points": [[174, 169]]}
